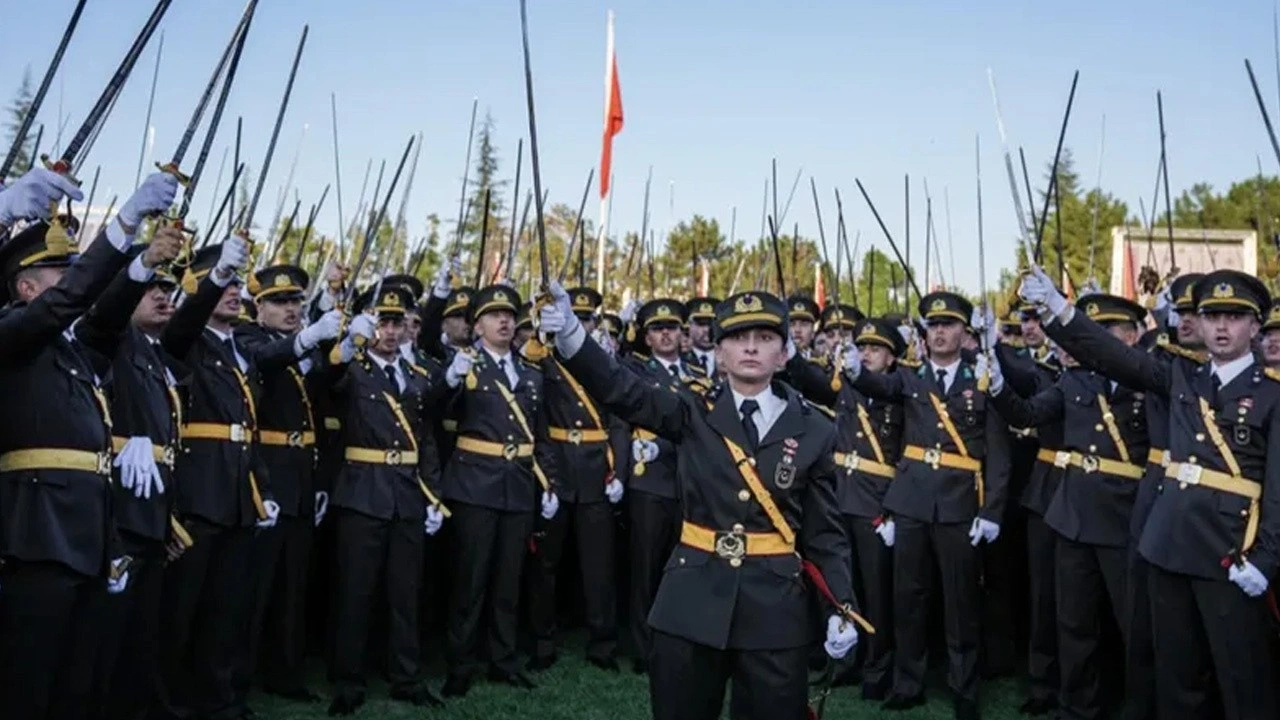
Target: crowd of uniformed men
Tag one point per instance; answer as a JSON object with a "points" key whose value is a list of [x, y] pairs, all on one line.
{"points": [[188, 449]]}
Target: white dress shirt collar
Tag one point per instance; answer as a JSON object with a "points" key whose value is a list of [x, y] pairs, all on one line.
{"points": [[950, 371], [1229, 371], [771, 407]]}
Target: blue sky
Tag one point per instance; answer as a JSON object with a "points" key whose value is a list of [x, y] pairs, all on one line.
{"points": [[713, 89]]}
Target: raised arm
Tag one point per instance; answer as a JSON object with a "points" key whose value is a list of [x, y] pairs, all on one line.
{"points": [[812, 381], [623, 393], [1043, 407], [1098, 350], [886, 386], [1019, 371]]}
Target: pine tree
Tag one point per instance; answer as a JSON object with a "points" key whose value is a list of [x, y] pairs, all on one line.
{"points": [[484, 178], [17, 112]]}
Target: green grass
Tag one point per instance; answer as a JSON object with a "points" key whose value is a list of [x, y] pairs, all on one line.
{"points": [[574, 690]]}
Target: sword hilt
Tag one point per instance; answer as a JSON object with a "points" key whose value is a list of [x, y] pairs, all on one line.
{"points": [[172, 169], [60, 166]]}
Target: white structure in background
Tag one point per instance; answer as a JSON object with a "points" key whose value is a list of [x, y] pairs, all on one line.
{"points": [[1194, 249]]}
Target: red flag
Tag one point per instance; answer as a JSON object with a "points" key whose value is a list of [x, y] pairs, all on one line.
{"points": [[612, 113], [819, 288]]}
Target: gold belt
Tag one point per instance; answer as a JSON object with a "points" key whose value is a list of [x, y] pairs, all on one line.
{"points": [[235, 433], [937, 458], [332, 423], [735, 544], [373, 456], [163, 454], [293, 439], [449, 426], [56, 459], [1093, 463], [852, 461], [1156, 456], [1189, 474], [1056, 458], [577, 436], [509, 451]]}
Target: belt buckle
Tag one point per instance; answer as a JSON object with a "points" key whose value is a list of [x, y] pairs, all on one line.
{"points": [[575, 437], [1189, 474], [1061, 459], [104, 464], [238, 433], [393, 457], [851, 461], [1089, 463], [168, 456], [933, 456], [294, 439], [731, 545], [510, 452]]}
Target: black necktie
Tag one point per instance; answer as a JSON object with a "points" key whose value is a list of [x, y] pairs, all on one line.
{"points": [[749, 408], [1215, 383], [942, 381], [675, 370], [502, 366], [390, 370]]}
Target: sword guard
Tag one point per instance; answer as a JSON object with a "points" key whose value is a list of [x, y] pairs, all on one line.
{"points": [[62, 167], [173, 170]]}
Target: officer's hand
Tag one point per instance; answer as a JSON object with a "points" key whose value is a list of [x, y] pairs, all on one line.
{"points": [[1248, 578], [604, 340], [985, 321], [628, 314], [326, 328], [459, 368], [852, 361], [1038, 289], [842, 636], [434, 520], [31, 196], [886, 530], [154, 196], [273, 512], [164, 248], [440, 286], [362, 326], [138, 470], [1164, 299], [983, 531], [233, 256], [550, 504], [322, 506], [791, 348], [117, 584], [614, 491], [995, 373], [645, 451]]}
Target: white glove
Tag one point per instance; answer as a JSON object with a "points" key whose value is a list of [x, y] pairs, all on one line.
{"points": [[613, 491], [362, 326], [138, 470], [117, 585], [550, 504], [326, 328], [322, 505], [434, 520], [155, 195], [886, 532], [440, 286], [984, 320], [273, 512], [1249, 578], [459, 368], [983, 531], [1173, 319], [996, 374], [842, 636], [628, 314], [1038, 289], [605, 341], [852, 361], [1164, 299], [234, 255], [645, 451], [30, 196], [558, 317], [791, 348]]}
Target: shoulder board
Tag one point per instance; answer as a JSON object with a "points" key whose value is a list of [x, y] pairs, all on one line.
{"points": [[820, 361], [702, 383], [821, 408], [418, 369], [1272, 373], [1174, 349], [529, 363], [913, 364], [1048, 363]]}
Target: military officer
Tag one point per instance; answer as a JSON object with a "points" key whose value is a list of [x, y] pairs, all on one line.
{"points": [[1103, 455], [804, 314], [58, 538], [1271, 337], [589, 447], [446, 327], [840, 322], [868, 447], [659, 320], [223, 492], [1210, 535], [701, 313], [729, 605], [280, 350], [503, 470], [386, 497], [947, 497]]}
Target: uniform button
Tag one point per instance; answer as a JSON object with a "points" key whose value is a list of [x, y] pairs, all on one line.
{"points": [[1097, 428], [735, 562], [577, 423], [681, 561], [940, 426], [859, 434], [744, 495], [395, 443], [1192, 459], [1244, 513], [738, 528], [580, 404], [751, 462], [511, 417], [1199, 437], [1093, 448]]}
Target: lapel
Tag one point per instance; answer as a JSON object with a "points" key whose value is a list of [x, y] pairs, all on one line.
{"points": [[964, 380], [790, 424], [1240, 386], [726, 421]]}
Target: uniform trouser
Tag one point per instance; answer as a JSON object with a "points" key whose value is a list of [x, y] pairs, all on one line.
{"points": [[874, 565], [277, 635], [1042, 645], [918, 548], [491, 550], [369, 551], [1140, 652], [205, 606], [264, 557], [655, 531], [127, 673], [1090, 582], [1210, 626], [687, 681], [50, 621], [1004, 582], [593, 526]]}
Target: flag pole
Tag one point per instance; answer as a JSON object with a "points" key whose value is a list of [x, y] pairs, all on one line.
{"points": [[612, 125]]}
